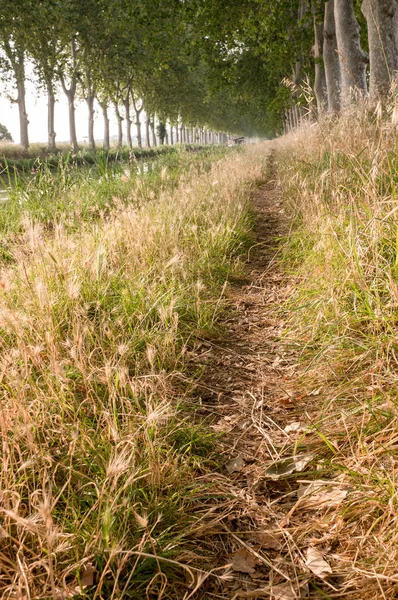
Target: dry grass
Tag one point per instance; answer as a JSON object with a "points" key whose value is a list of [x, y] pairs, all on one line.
{"points": [[98, 462], [340, 181]]}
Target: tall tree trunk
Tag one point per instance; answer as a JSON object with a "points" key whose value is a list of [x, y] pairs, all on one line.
{"points": [[353, 60], [119, 119], [177, 138], [19, 71], [181, 136], [152, 124], [331, 59], [126, 103], [320, 78], [16, 56], [51, 116], [72, 122], [89, 96], [383, 51], [90, 105], [106, 144], [137, 112], [147, 126], [70, 94]]}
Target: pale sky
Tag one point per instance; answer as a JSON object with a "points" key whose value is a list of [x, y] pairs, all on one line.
{"points": [[36, 103]]}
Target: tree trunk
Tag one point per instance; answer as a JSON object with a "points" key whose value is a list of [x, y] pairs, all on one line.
{"points": [[352, 58], [106, 144], [331, 59], [177, 138], [119, 125], [126, 103], [147, 125], [70, 94], [51, 117], [152, 124], [137, 112], [383, 51], [320, 78], [90, 105], [171, 135], [72, 121], [21, 100]]}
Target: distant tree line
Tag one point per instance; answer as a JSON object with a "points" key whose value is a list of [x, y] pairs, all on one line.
{"points": [[198, 66]]}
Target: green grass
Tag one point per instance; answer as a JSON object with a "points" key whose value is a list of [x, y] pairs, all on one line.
{"points": [[74, 194], [340, 187], [101, 458]]}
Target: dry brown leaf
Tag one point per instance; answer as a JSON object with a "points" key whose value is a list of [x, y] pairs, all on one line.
{"points": [[317, 564], [295, 426], [266, 540], [284, 467], [243, 561], [284, 591], [87, 575], [235, 465], [318, 494]]}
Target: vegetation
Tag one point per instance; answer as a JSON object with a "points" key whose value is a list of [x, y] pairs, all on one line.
{"points": [[97, 318], [5, 135], [340, 184], [200, 67]]}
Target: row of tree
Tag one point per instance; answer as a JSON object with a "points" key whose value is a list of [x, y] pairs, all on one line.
{"points": [[246, 66]]}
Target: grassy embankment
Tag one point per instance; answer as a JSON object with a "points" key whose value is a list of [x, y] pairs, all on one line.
{"points": [[15, 157], [340, 181], [97, 315]]}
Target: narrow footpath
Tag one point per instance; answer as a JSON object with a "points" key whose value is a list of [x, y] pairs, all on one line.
{"points": [[249, 389]]}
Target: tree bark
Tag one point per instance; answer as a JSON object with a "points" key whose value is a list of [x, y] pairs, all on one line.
{"points": [[126, 103], [119, 119], [70, 94], [91, 113], [331, 59], [137, 112], [106, 143], [320, 78], [16, 57], [51, 116], [147, 126], [353, 59], [171, 135], [152, 125], [383, 51]]}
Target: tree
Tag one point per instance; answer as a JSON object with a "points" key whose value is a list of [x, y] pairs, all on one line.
{"points": [[383, 49], [353, 60], [5, 135], [14, 19], [331, 59]]}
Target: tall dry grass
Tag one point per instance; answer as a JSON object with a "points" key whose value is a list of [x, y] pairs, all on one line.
{"points": [[99, 461], [340, 180]]}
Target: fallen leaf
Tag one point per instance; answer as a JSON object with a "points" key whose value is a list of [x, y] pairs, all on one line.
{"points": [[235, 465], [243, 561], [284, 467], [295, 426], [266, 540], [316, 563], [284, 591], [87, 575], [318, 493]]}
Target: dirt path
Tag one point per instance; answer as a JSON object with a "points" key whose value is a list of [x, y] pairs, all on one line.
{"points": [[249, 384]]}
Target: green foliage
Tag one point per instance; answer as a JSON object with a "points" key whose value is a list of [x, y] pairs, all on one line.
{"points": [[5, 135]]}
